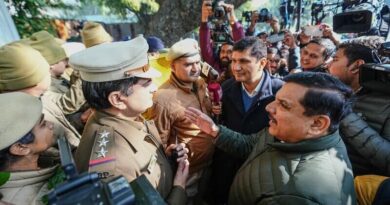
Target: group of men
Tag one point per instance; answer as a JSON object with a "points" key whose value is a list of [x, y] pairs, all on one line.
{"points": [[300, 140]]}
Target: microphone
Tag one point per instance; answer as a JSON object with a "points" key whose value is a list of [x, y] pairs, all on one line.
{"points": [[216, 90], [208, 72]]}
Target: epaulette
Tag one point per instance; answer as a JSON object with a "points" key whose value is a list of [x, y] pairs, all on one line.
{"points": [[152, 129], [102, 159]]}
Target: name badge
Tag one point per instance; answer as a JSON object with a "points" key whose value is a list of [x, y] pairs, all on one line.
{"points": [[152, 163]]}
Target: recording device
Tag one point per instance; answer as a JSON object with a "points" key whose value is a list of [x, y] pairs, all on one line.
{"points": [[275, 38], [376, 76], [88, 188], [216, 90], [208, 72], [220, 33], [264, 15], [218, 10], [219, 22], [315, 31], [358, 16]]}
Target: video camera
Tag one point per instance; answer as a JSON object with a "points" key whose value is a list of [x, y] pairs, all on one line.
{"points": [[220, 33], [88, 188], [358, 16], [219, 11], [264, 15], [376, 76], [219, 23]]}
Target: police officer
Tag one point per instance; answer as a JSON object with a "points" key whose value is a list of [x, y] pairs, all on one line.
{"points": [[116, 140], [24, 135]]}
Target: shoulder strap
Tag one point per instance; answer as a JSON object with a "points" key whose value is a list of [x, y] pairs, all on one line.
{"points": [[102, 159]]}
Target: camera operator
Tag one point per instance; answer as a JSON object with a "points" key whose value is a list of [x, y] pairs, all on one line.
{"points": [[366, 132], [221, 62]]}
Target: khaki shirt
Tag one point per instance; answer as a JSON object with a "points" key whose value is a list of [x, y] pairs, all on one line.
{"points": [[27, 187], [57, 105], [59, 85], [114, 146], [170, 101], [53, 112]]}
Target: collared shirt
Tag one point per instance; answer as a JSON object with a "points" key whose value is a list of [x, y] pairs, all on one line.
{"points": [[256, 90]]}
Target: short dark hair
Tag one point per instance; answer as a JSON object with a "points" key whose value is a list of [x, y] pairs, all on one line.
{"points": [[96, 93], [258, 48], [326, 95], [6, 156], [329, 46], [354, 52]]}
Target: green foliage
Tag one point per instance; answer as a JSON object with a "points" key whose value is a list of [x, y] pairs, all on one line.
{"points": [[58, 178], [121, 7], [28, 15], [4, 177]]}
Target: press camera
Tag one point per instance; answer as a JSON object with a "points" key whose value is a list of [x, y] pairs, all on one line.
{"points": [[359, 16]]}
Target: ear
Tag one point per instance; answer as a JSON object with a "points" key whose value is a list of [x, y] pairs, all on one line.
{"points": [[263, 62], [356, 65], [320, 125], [173, 67], [19, 149], [115, 99]]}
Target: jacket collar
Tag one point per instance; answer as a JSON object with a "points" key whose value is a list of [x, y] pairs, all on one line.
{"points": [[133, 131], [265, 91], [313, 145], [186, 87]]}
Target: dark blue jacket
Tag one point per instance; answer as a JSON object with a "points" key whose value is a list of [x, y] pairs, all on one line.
{"points": [[235, 118]]}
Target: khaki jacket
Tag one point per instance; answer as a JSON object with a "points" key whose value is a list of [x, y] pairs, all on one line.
{"points": [[56, 106], [59, 85], [27, 187], [170, 101], [52, 109], [114, 146]]}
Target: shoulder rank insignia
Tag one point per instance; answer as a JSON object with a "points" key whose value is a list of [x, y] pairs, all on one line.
{"points": [[102, 159]]}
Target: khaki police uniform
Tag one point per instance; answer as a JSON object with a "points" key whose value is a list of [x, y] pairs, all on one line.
{"points": [[111, 145], [170, 101], [58, 101], [20, 113], [23, 67]]}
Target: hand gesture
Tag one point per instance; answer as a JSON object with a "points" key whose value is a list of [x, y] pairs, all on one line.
{"points": [[328, 33], [181, 174], [180, 149], [206, 10], [303, 38], [230, 12], [254, 17], [289, 40], [204, 122]]}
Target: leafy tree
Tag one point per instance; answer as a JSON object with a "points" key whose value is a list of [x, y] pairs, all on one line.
{"points": [[29, 16]]}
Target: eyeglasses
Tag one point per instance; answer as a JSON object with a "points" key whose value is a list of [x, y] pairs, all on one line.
{"points": [[273, 60]]}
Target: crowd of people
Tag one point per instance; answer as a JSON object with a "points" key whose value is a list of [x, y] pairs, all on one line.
{"points": [[292, 124]]}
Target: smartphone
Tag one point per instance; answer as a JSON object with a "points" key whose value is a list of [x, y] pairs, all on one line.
{"points": [[275, 38], [312, 31]]}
